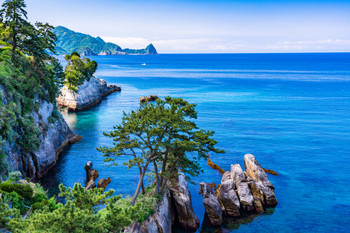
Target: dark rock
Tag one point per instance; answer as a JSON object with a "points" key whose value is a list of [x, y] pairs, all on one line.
{"points": [[102, 183], [211, 205], [145, 99], [91, 175], [182, 200]]}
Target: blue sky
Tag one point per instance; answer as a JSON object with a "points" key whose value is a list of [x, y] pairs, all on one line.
{"points": [[206, 26]]}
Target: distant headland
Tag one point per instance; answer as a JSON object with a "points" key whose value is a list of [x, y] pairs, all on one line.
{"points": [[69, 41]]}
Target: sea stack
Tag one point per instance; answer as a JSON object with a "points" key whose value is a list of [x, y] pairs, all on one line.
{"points": [[88, 95]]}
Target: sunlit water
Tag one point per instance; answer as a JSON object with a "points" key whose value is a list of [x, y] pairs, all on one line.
{"points": [[292, 111]]}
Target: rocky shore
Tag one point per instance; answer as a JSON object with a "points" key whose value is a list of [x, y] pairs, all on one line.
{"points": [[88, 95], [241, 193]]}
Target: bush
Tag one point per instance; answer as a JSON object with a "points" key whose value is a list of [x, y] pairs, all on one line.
{"points": [[23, 190], [15, 176]]}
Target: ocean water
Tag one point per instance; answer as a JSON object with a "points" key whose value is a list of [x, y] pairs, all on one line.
{"points": [[292, 111]]}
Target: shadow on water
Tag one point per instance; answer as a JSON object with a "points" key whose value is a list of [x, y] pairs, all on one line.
{"points": [[229, 224], [52, 179]]}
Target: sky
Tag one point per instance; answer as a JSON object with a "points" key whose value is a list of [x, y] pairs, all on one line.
{"points": [[206, 26]]}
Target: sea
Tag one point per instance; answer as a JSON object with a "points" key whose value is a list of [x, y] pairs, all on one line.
{"points": [[291, 111]]}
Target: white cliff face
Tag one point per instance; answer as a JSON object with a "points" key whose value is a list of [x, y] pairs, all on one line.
{"points": [[88, 95]]}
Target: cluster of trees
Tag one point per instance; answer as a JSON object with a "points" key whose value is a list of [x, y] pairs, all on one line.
{"points": [[27, 70], [78, 70], [82, 210]]}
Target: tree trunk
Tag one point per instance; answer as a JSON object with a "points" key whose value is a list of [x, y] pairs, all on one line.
{"points": [[139, 184], [142, 186], [157, 177]]}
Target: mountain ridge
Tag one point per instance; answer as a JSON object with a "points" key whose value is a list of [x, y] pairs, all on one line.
{"points": [[69, 41]]}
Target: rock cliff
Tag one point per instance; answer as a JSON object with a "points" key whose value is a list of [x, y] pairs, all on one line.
{"points": [[175, 208], [159, 222], [88, 95], [54, 135]]}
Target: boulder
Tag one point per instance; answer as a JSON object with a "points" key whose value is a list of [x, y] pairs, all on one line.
{"points": [[145, 99], [102, 183], [240, 180], [227, 196], [91, 175], [88, 95], [211, 205], [182, 200], [258, 175]]}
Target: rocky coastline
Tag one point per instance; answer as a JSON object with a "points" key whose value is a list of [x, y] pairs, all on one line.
{"points": [[89, 94]]}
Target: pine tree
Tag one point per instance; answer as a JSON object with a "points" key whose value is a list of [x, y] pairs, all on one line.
{"points": [[13, 17], [162, 135]]}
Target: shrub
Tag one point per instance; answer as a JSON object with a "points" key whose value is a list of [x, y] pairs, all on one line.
{"points": [[23, 190], [15, 176]]}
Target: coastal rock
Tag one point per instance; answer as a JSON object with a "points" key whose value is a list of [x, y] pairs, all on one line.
{"points": [[54, 136], [240, 180], [102, 183], [146, 99], [182, 200], [88, 95], [211, 205], [159, 222], [258, 175], [227, 196], [91, 175]]}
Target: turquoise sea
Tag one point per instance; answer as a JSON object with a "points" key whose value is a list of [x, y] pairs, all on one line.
{"points": [[292, 111]]}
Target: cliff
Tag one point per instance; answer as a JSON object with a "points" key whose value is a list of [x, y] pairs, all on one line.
{"points": [[174, 208], [88, 95], [54, 135], [69, 41]]}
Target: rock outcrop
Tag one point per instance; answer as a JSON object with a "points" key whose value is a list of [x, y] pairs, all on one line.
{"points": [[145, 99], [227, 196], [175, 208], [259, 178], [54, 136], [211, 204], [91, 176], [88, 95], [242, 188], [159, 222], [240, 193], [182, 200]]}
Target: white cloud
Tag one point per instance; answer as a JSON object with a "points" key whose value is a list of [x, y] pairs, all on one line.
{"points": [[128, 42], [214, 45]]}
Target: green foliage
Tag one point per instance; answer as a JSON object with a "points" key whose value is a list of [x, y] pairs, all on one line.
{"points": [[27, 74], [13, 16], [78, 70], [23, 190], [15, 176], [5, 212], [69, 41], [161, 134], [83, 211]]}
